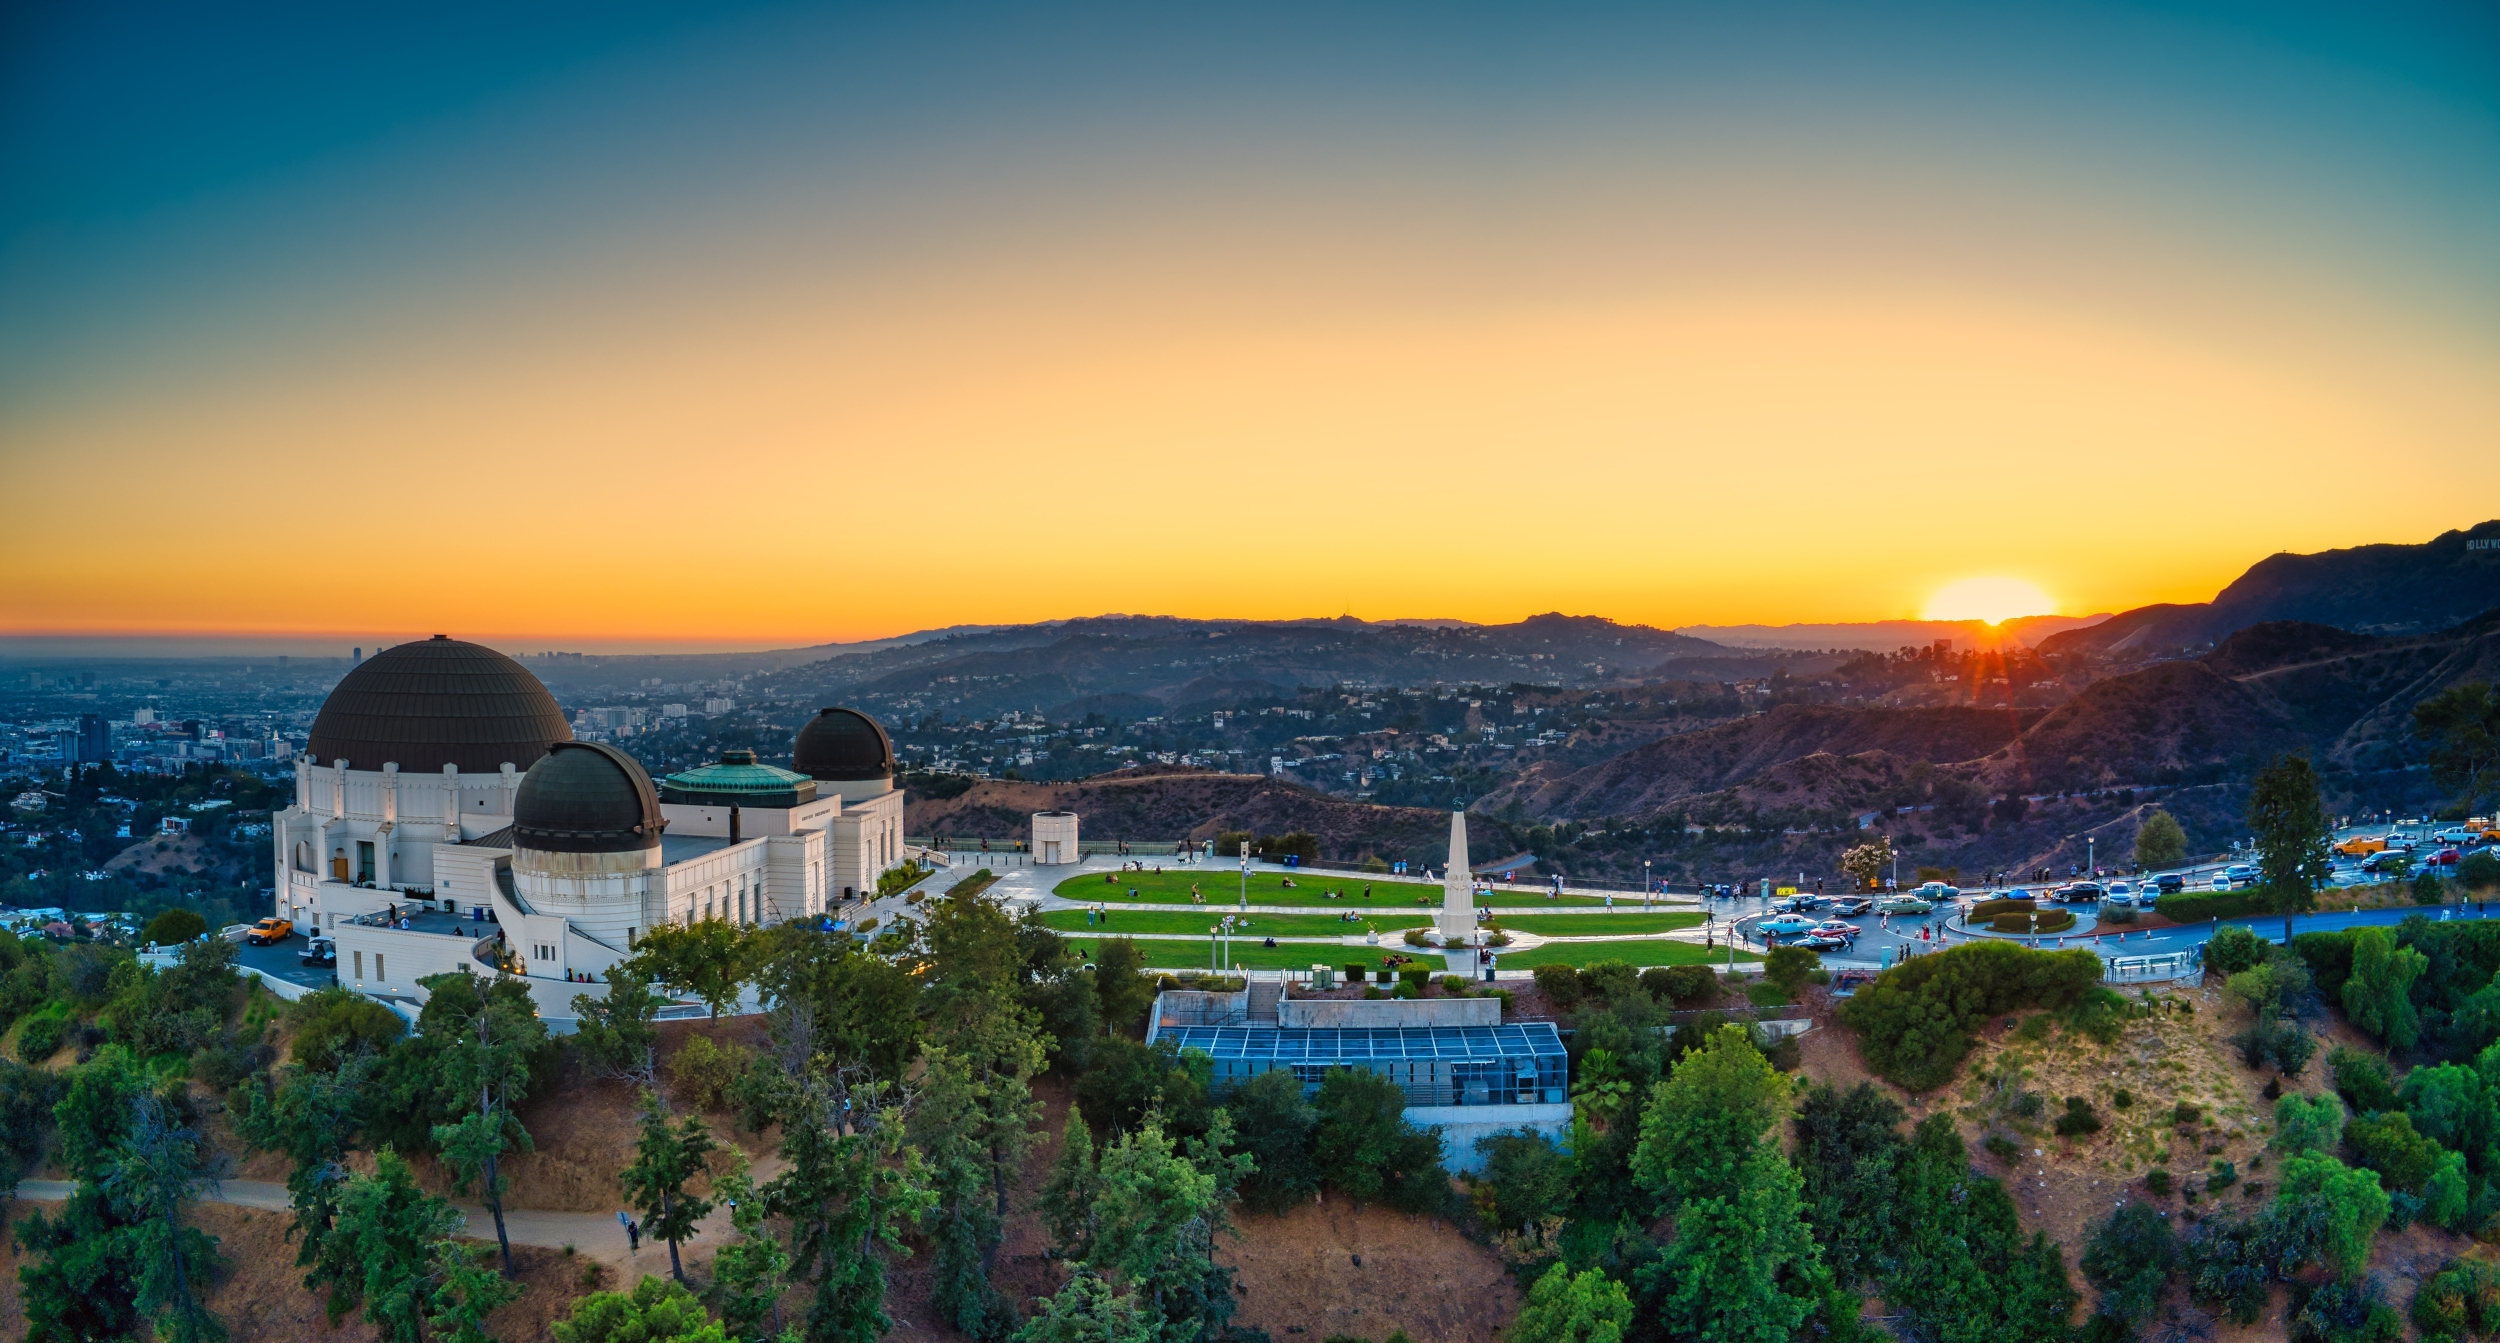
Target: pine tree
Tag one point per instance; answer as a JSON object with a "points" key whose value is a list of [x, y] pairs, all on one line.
{"points": [[666, 1157], [1067, 1199], [1562, 1308]]}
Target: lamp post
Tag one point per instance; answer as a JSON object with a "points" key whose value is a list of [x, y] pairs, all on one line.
{"points": [[1646, 888], [1245, 874]]}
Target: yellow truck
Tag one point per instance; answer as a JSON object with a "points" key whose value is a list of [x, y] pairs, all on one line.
{"points": [[269, 930], [2360, 846]]}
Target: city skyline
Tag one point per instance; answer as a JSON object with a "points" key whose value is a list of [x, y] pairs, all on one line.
{"points": [[771, 326]]}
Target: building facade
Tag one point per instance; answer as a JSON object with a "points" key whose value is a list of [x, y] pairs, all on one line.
{"points": [[445, 820]]}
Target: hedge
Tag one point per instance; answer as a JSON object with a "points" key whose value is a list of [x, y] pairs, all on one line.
{"points": [[2051, 921], [1989, 909], [2198, 906], [1915, 1021]]}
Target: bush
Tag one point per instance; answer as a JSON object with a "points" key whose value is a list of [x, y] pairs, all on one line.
{"points": [[2158, 1181], [2130, 1257], [2462, 1299], [703, 1070], [2123, 1099], [2221, 1177], [2362, 1080], [332, 1024], [1915, 1020], [1414, 976], [2118, 914], [2187, 1112], [40, 1038], [2479, 872], [1560, 984], [2003, 1148], [2078, 1119], [1415, 938], [1682, 985], [1789, 966], [1354, 972], [2198, 906], [1453, 984], [2340, 1312], [172, 927], [2050, 921], [1608, 982], [1406, 989], [1372, 992], [2236, 948], [1989, 909]]}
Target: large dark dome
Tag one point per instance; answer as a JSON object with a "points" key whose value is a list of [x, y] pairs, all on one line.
{"points": [[586, 797], [435, 703], [843, 744]]}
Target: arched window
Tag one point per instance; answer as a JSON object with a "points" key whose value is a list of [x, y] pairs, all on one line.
{"points": [[303, 855]]}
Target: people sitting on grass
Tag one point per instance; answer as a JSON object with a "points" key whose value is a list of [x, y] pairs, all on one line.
{"points": [[1289, 883]]}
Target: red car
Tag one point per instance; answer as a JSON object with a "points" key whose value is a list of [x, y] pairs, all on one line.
{"points": [[2446, 857]]}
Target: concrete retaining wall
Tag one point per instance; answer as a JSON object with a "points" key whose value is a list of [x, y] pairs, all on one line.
{"points": [[1462, 1125], [1355, 1013]]}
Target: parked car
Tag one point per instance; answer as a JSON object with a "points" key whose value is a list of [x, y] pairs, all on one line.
{"points": [[2119, 893], [1903, 904], [2445, 857], [1838, 929], [1938, 892], [269, 930], [1785, 924], [1853, 906], [2169, 883], [2392, 860], [321, 951], [1819, 941], [2241, 874], [2361, 846], [2077, 893]]}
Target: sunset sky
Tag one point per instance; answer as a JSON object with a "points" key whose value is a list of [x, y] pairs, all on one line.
{"points": [[644, 325]]}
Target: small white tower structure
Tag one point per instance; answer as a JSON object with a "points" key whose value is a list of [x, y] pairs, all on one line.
{"points": [[1054, 838], [1457, 920]]}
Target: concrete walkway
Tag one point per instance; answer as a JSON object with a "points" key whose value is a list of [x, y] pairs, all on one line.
{"points": [[595, 1235]]}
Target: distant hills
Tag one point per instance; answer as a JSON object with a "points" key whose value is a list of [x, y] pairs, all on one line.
{"points": [[1883, 636], [2379, 589]]}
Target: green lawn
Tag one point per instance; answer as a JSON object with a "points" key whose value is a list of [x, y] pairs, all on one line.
{"points": [[1247, 953], [1631, 953], [1197, 921], [1222, 885], [1592, 925]]}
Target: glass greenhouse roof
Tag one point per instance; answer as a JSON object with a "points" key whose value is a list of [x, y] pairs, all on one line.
{"points": [[1524, 1039]]}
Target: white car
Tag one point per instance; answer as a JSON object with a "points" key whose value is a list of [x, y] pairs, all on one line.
{"points": [[2456, 834], [2120, 893]]}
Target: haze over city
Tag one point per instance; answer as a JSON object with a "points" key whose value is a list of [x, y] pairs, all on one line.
{"points": [[634, 326]]}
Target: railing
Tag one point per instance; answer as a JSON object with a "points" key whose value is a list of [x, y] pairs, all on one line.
{"points": [[2140, 969]]}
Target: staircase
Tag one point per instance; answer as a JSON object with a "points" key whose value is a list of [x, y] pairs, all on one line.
{"points": [[1264, 994]]}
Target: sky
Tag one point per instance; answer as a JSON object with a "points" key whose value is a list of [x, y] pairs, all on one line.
{"points": [[640, 325]]}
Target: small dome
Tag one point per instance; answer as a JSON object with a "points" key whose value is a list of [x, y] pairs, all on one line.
{"points": [[843, 744], [586, 797], [737, 780], [437, 702]]}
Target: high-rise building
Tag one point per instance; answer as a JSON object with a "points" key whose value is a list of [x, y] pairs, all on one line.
{"points": [[95, 741]]}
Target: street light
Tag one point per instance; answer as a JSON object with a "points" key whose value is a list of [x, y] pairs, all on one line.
{"points": [[1645, 886], [1245, 875]]}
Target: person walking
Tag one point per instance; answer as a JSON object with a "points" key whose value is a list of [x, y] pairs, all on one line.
{"points": [[633, 1237]]}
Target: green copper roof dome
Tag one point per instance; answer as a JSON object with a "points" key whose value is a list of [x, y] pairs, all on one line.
{"points": [[737, 780]]}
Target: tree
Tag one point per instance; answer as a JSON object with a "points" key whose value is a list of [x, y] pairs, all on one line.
{"points": [[1364, 1141], [1527, 1180], [1865, 864], [333, 1024], [656, 1311], [851, 1190], [1277, 1125], [708, 958], [83, 1283], [1067, 1197], [862, 1007], [666, 1158], [1788, 967], [2378, 995], [2235, 947], [155, 1173], [2160, 842], [1849, 1151], [1122, 985], [1705, 1119], [2130, 1256], [2350, 1205], [1159, 1208], [315, 1119], [1086, 1310], [395, 1252], [962, 1226], [748, 1273], [2289, 823], [2462, 724], [616, 1038], [485, 1062], [1743, 1267], [1562, 1308], [2308, 1124], [173, 927]]}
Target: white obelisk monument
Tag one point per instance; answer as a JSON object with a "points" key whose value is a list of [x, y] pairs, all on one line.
{"points": [[1457, 920]]}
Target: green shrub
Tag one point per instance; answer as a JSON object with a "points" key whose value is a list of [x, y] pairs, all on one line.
{"points": [[1789, 966], [1682, 985], [703, 1070], [172, 927], [1413, 976], [1372, 992], [2035, 1028], [1609, 981], [2118, 915], [2479, 872], [1354, 972], [1989, 909], [2049, 921], [2362, 1080], [39, 1038], [1915, 1021], [2342, 1312], [1406, 989], [2187, 1112], [2462, 1299], [2236, 948], [2157, 1181], [2198, 906], [1415, 938], [2123, 1099], [2078, 1119], [1453, 984], [335, 1023], [2130, 1256], [1560, 984], [2003, 1148], [1762, 993], [2222, 1176]]}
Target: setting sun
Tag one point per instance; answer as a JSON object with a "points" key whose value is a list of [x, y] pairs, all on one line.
{"points": [[1994, 600]]}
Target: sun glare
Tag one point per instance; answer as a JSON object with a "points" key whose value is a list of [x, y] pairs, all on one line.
{"points": [[1990, 599]]}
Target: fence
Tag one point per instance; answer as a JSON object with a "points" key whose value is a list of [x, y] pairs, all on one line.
{"points": [[2143, 969]]}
